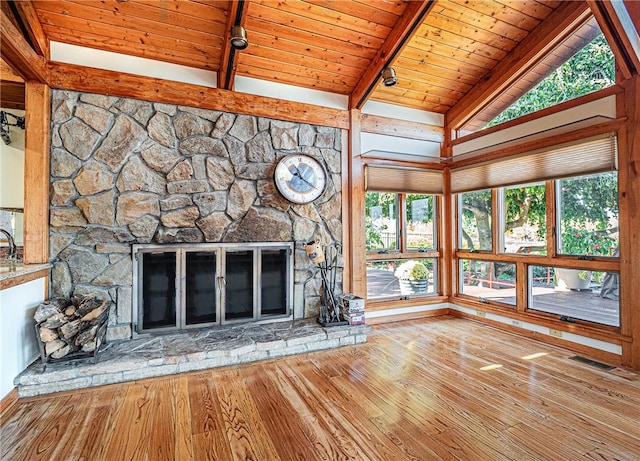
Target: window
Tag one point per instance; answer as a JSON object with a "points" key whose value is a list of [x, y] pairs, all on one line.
{"points": [[401, 241], [581, 64], [381, 221], [575, 294], [474, 231], [488, 280], [524, 214], [583, 211], [588, 215]]}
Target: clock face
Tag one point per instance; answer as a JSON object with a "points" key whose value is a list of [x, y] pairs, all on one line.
{"points": [[300, 178]]}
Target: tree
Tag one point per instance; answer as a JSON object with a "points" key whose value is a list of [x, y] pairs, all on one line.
{"points": [[590, 69]]}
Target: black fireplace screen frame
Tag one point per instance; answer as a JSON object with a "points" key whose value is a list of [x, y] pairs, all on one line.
{"points": [[231, 272]]}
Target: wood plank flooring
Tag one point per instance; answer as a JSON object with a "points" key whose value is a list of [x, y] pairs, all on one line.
{"points": [[435, 389]]}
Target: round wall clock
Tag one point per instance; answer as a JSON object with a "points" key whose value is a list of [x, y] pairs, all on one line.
{"points": [[300, 178]]}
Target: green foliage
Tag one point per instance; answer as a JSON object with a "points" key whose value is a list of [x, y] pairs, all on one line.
{"points": [[526, 205], [589, 70], [412, 270], [584, 242]]}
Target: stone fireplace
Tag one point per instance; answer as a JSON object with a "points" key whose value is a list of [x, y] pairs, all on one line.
{"points": [[127, 172]]}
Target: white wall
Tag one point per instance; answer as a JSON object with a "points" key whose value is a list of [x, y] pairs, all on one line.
{"points": [[18, 346], [12, 166]]}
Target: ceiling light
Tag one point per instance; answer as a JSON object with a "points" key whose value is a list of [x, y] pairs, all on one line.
{"points": [[239, 38], [389, 77]]}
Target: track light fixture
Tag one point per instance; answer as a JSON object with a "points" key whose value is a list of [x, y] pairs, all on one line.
{"points": [[239, 38], [389, 77]]}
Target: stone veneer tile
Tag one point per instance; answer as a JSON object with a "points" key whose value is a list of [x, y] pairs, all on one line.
{"points": [[56, 386], [149, 372], [270, 345], [112, 378], [306, 339]]}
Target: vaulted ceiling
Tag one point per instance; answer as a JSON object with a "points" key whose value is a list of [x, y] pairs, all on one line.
{"points": [[441, 50]]}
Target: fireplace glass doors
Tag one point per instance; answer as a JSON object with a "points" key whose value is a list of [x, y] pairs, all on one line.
{"points": [[191, 286]]}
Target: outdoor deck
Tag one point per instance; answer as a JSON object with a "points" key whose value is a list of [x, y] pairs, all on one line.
{"points": [[583, 305]]}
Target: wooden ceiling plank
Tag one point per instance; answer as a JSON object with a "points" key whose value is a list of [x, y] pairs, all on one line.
{"points": [[134, 49], [407, 24], [412, 102], [295, 21], [92, 19], [457, 60], [276, 31], [308, 61], [318, 52], [483, 22], [428, 46], [411, 94], [436, 70], [566, 19], [436, 79], [205, 47], [12, 95], [204, 19], [360, 10], [529, 7], [32, 25], [327, 17], [507, 13], [278, 76], [236, 16], [402, 128], [440, 22], [394, 7], [450, 96], [469, 44], [293, 72], [468, 74], [91, 80], [17, 52]]}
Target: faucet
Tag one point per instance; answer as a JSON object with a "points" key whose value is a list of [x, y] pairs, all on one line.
{"points": [[12, 244]]}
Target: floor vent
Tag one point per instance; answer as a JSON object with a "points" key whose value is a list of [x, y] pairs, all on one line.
{"points": [[593, 363]]}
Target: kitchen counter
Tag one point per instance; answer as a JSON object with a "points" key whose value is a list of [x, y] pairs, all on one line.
{"points": [[16, 272]]}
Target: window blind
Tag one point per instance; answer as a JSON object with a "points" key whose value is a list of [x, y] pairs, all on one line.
{"points": [[398, 179], [595, 155]]}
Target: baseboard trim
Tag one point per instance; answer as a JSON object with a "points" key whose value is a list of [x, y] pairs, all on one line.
{"points": [[391, 316]]}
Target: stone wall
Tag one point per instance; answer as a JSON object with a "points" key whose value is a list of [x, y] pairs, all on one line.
{"points": [[125, 171]]}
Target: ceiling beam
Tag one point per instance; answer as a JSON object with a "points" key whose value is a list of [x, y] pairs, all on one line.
{"points": [[229, 58], [544, 38], [17, 52], [31, 23], [399, 36], [92, 80], [618, 28], [8, 74]]}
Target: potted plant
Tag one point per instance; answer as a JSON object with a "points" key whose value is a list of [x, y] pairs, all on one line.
{"points": [[413, 277]]}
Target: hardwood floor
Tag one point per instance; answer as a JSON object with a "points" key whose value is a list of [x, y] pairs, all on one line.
{"points": [[434, 389]]}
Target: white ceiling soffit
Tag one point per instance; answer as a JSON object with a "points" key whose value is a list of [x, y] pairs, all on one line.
{"points": [[395, 148], [588, 114]]}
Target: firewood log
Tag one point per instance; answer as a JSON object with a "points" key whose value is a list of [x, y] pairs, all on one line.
{"points": [[47, 334], [52, 346], [55, 321]]}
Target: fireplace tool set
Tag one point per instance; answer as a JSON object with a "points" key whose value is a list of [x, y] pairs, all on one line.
{"points": [[327, 262]]}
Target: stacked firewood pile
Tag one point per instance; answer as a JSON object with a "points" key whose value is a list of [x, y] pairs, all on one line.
{"points": [[67, 326]]}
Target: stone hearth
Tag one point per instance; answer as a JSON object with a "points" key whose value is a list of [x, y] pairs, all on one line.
{"points": [[160, 355]]}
